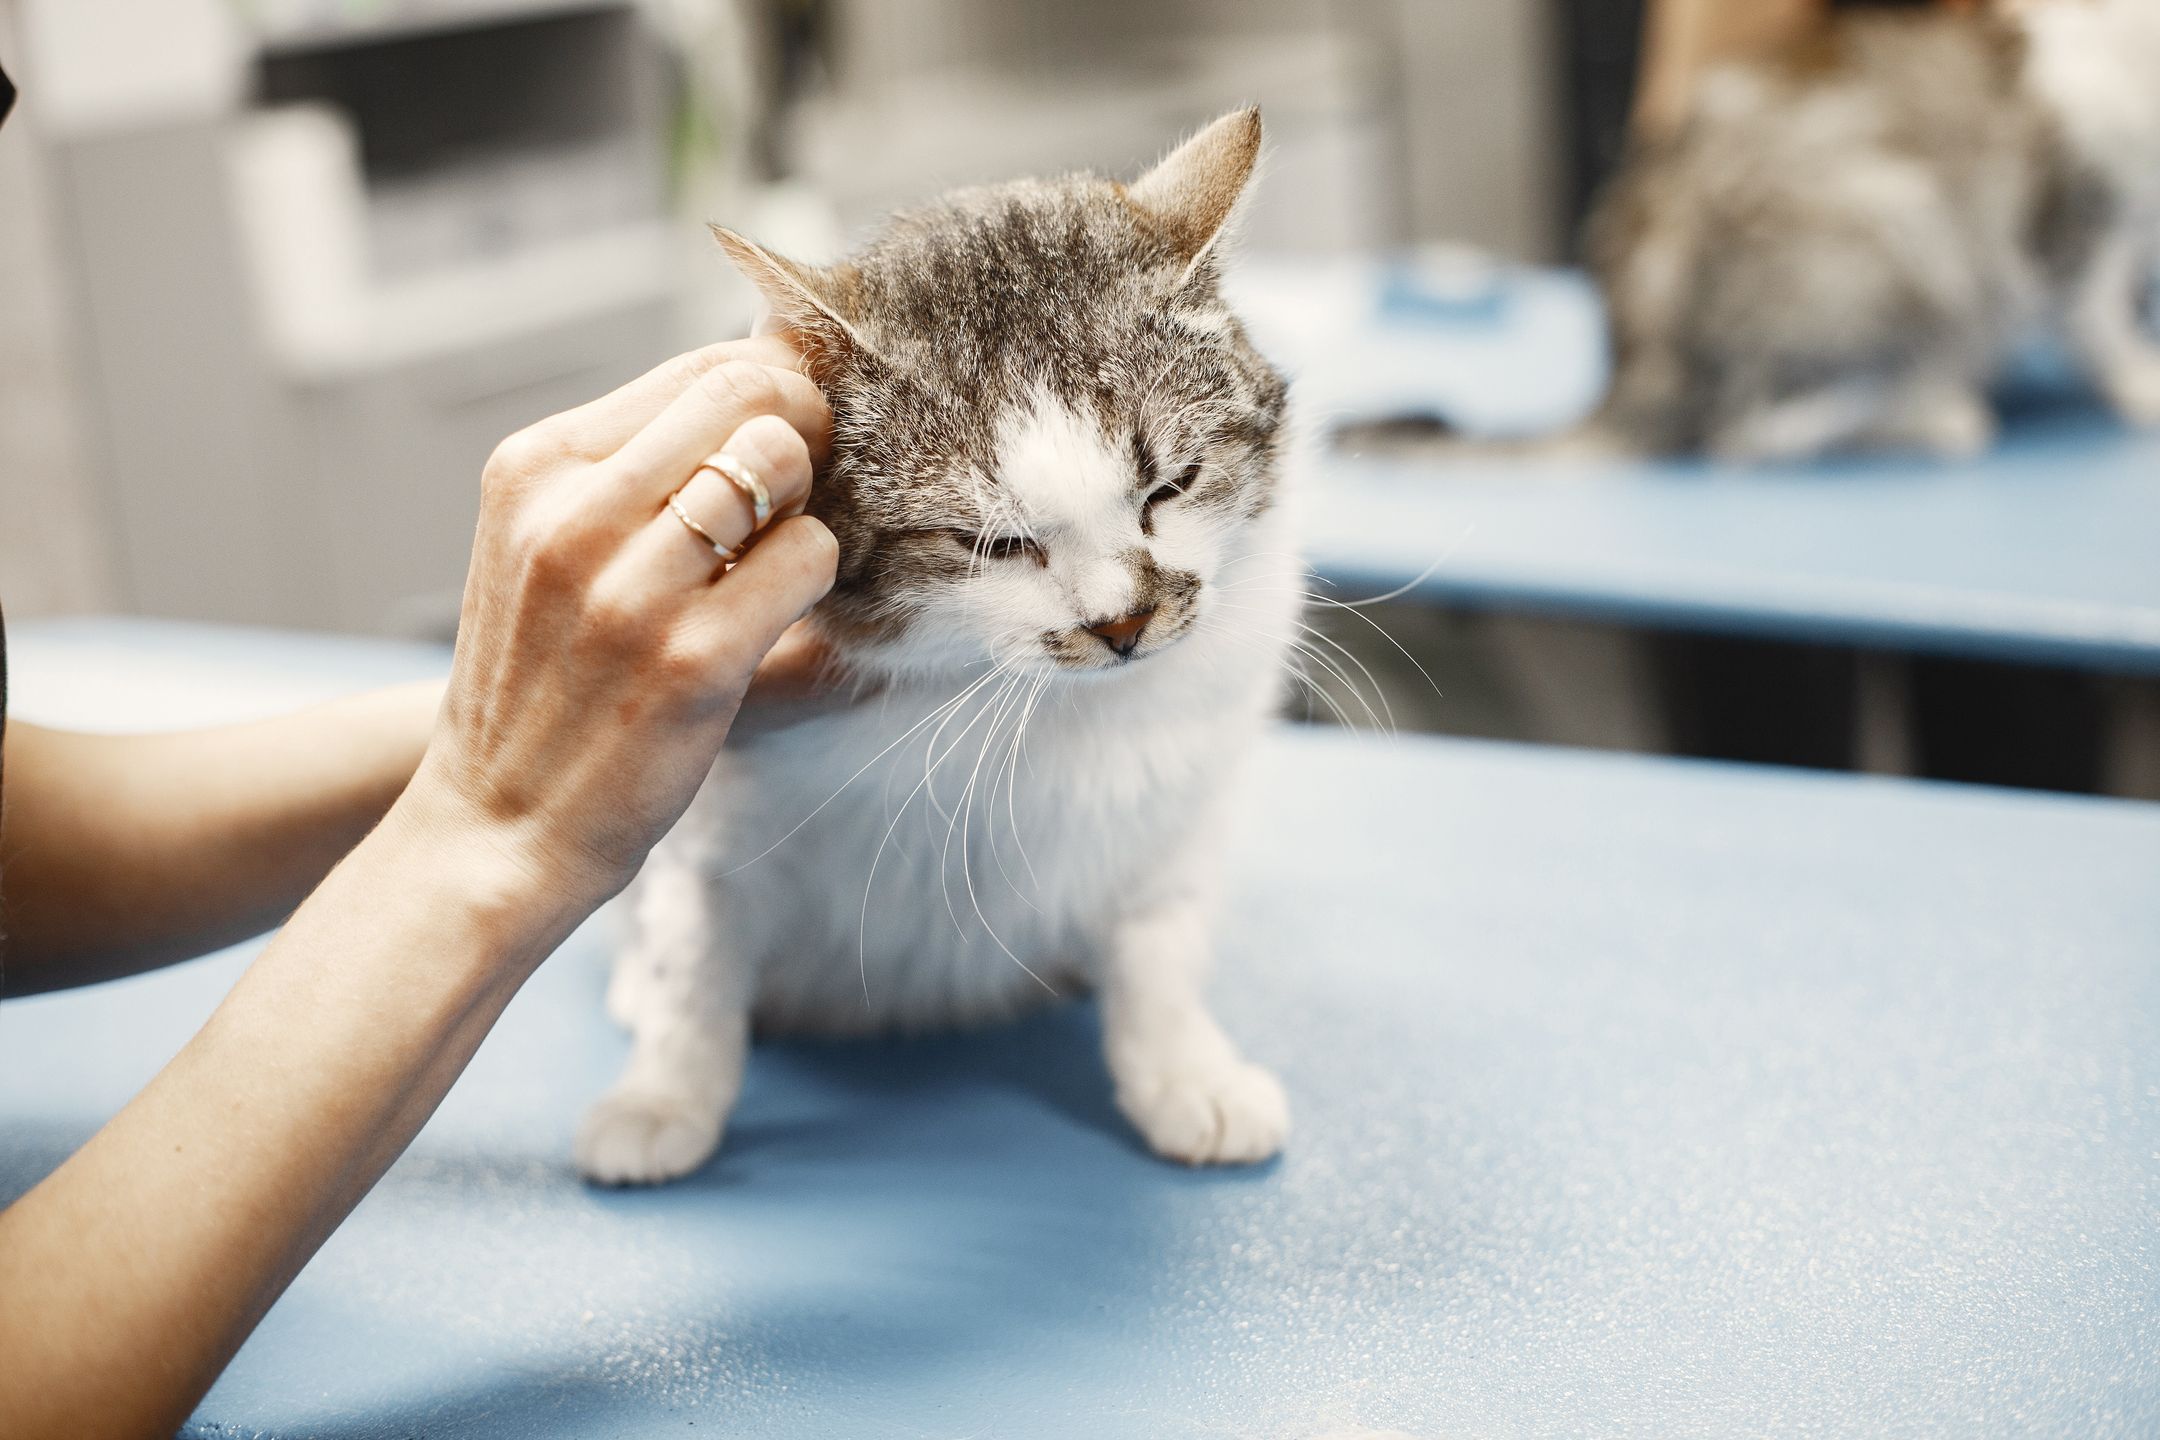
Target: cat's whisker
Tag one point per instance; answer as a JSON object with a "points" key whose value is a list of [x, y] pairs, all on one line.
{"points": [[862, 936], [1315, 691], [1012, 783], [1009, 765], [967, 873], [1408, 585], [1293, 668], [1336, 673], [1354, 607], [933, 757], [964, 810], [1321, 637], [900, 740], [1343, 650], [1002, 669], [1308, 648], [1384, 634]]}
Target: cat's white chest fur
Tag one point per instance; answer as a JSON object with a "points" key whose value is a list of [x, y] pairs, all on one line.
{"points": [[1067, 836], [954, 855]]}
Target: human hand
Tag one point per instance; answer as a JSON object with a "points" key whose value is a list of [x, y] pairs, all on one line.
{"points": [[799, 670], [602, 651]]}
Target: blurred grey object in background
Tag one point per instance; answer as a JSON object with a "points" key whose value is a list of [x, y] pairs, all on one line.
{"points": [[322, 259], [51, 559], [275, 275], [1388, 120]]}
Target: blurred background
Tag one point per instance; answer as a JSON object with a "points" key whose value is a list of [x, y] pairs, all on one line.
{"points": [[275, 276]]}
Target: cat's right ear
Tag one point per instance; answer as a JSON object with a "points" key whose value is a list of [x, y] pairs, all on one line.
{"points": [[805, 299], [1193, 193]]}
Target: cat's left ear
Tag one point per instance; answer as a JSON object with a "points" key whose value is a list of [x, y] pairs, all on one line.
{"points": [[1193, 193], [806, 299]]}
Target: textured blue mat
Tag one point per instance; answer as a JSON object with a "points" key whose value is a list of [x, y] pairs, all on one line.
{"points": [[2047, 550], [1633, 1098]]}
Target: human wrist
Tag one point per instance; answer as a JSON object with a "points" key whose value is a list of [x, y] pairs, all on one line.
{"points": [[505, 880]]}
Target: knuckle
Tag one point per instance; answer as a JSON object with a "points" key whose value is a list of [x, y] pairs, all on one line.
{"points": [[814, 547], [520, 456], [691, 367], [559, 551], [781, 444], [613, 618], [740, 388], [781, 456], [683, 371], [551, 564], [683, 667]]}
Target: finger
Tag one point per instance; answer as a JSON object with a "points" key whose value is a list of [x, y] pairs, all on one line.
{"points": [[598, 428], [799, 679], [799, 667], [782, 576], [671, 553], [659, 460]]}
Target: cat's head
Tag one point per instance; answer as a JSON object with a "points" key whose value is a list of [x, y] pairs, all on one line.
{"points": [[1050, 432]]}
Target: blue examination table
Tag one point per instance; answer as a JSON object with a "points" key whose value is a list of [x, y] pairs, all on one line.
{"points": [[2044, 551], [1634, 1098]]}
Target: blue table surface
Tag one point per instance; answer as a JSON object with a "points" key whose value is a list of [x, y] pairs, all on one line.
{"points": [[1634, 1097], [2046, 550]]}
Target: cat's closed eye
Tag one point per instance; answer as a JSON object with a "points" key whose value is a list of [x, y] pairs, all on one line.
{"points": [[1171, 489], [1002, 547]]}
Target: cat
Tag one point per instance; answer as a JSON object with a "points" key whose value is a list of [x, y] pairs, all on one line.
{"points": [[1838, 246], [1068, 571]]}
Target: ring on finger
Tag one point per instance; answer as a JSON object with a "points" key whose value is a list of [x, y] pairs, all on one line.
{"points": [[699, 532], [747, 482]]}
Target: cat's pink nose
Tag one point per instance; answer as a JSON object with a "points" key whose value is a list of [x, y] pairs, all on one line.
{"points": [[1122, 635]]}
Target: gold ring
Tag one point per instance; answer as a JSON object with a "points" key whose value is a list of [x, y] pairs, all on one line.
{"points": [[747, 484], [674, 503]]}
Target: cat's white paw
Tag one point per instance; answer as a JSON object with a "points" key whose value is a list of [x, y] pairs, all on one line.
{"points": [[2134, 390], [1954, 427], [643, 1137], [1231, 1113]]}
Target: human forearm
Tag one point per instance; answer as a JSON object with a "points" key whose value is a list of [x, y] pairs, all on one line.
{"points": [[603, 650], [129, 1277], [127, 852]]}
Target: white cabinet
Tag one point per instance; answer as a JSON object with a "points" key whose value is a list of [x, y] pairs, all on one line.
{"points": [[308, 311]]}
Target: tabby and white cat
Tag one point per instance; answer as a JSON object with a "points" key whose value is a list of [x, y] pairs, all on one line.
{"points": [[1838, 247], [1067, 569]]}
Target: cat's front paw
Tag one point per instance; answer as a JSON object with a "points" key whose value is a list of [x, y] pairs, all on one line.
{"points": [[2133, 388], [644, 1137], [1231, 1113], [1953, 425]]}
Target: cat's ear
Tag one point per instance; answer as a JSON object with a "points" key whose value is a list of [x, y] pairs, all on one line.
{"points": [[1193, 192], [806, 299]]}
